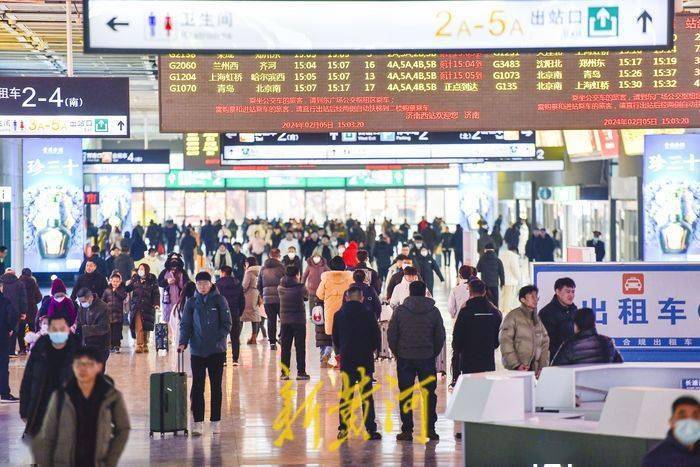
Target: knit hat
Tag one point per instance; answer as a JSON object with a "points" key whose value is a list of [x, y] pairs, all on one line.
{"points": [[57, 286]]}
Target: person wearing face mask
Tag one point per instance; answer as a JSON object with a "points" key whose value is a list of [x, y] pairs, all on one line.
{"points": [[145, 299], [681, 448], [58, 303], [114, 297], [93, 322], [287, 242], [238, 259], [222, 258], [428, 268], [309, 245], [315, 266], [292, 258], [48, 368], [325, 250], [598, 244]]}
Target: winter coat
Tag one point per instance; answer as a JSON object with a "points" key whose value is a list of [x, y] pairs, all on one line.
{"points": [[99, 262], [670, 452], [251, 313], [524, 341], [326, 252], [33, 296], [95, 281], [587, 347], [36, 389], [371, 277], [93, 325], [371, 302], [458, 297], [382, 253], [115, 303], [238, 260], [330, 291], [125, 265], [312, 275], [14, 292], [56, 443], [270, 275], [426, 266], [559, 322], [227, 260], [292, 295], [475, 335], [416, 330], [296, 261], [171, 292], [257, 245], [232, 291], [491, 269], [395, 279], [284, 245], [145, 297], [402, 292], [153, 262], [206, 323], [599, 249], [350, 255], [356, 337], [511, 267]]}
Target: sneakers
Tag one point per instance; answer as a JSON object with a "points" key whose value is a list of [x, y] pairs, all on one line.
{"points": [[284, 377], [404, 436], [139, 349], [252, 341], [273, 346], [342, 434], [374, 436], [197, 428], [215, 428], [235, 363], [9, 399], [303, 377], [458, 436], [433, 436]]}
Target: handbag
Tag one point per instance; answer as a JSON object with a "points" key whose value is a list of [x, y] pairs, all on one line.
{"points": [[317, 315]]}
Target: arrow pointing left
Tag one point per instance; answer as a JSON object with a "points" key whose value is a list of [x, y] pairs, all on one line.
{"points": [[112, 23]]}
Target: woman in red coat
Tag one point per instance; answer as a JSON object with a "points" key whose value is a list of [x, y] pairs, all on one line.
{"points": [[350, 255]]}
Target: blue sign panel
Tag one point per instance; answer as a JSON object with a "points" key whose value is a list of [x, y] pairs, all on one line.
{"points": [[650, 310], [671, 194], [54, 233]]}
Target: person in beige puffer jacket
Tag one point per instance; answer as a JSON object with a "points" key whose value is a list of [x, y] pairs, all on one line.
{"points": [[334, 284], [523, 338]]}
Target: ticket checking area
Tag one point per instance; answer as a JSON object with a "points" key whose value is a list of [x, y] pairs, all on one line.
{"points": [[578, 414]]}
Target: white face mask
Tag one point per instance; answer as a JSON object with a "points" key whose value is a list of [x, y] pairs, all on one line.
{"points": [[419, 244], [424, 253], [316, 259], [84, 304], [60, 299], [687, 431], [291, 255], [142, 273]]}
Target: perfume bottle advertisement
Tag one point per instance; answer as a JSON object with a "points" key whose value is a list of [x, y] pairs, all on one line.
{"points": [[115, 200], [671, 197], [54, 231]]}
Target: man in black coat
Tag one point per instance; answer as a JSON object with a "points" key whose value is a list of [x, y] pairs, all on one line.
{"points": [[293, 294], [92, 279], [599, 246], [383, 251], [238, 260], [95, 258], [232, 290], [492, 272], [558, 315], [48, 368], [426, 265], [16, 294], [372, 278], [8, 323], [681, 448], [586, 346], [475, 334], [356, 337]]}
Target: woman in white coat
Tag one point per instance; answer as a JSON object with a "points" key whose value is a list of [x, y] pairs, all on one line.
{"points": [[511, 267]]}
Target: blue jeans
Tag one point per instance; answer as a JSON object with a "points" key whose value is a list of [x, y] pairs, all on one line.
{"points": [[408, 370]]}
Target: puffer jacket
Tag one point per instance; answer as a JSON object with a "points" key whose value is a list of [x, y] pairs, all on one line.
{"points": [[145, 297], [206, 323], [524, 340], [587, 347], [330, 291], [270, 275], [292, 295], [115, 303], [251, 313], [559, 322], [92, 325], [33, 296], [55, 444], [15, 293], [36, 388], [232, 291], [416, 330], [312, 275]]}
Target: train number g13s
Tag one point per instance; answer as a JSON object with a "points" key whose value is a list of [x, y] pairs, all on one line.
{"points": [[450, 26]]}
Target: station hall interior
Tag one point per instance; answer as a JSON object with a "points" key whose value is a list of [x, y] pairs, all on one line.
{"points": [[189, 189]]}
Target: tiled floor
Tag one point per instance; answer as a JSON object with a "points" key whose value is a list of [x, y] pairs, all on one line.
{"points": [[251, 403]]}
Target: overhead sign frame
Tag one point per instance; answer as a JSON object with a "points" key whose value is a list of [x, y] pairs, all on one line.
{"points": [[137, 22]]}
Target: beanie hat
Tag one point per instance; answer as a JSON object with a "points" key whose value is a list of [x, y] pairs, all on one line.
{"points": [[57, 286]]}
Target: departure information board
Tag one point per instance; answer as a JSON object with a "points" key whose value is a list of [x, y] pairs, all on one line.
{"points": [[435, 92]]}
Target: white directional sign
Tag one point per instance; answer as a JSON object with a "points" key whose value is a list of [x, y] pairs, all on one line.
{"points": [[141, 26]]}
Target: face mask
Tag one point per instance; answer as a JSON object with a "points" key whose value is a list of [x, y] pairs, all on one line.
{"points": [[58, 337], [419, 244], [142, 273], [334, 243], [424, 253], [687, 431], [291, 255], [316, 259], [85, 305], [60, 299]]}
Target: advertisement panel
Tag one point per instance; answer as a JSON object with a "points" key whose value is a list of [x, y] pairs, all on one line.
{"points": [[54, 233], [115, 201], [671, 197], [478, 198], [651, 310]]}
